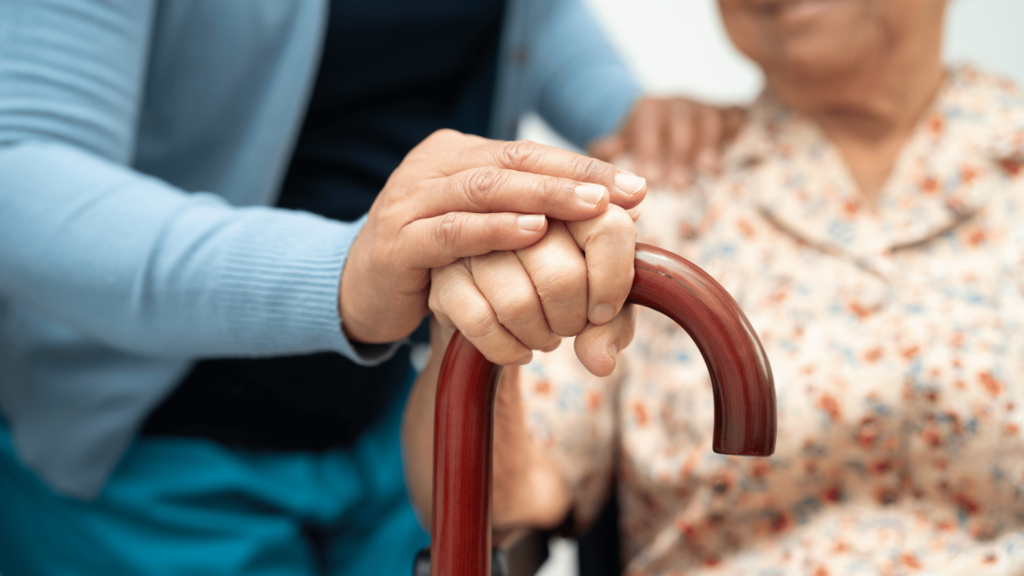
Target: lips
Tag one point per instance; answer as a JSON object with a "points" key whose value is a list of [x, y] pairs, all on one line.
{"points": [[791, 8]]}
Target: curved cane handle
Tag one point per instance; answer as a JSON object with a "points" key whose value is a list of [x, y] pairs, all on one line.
{"points": [[463, 419]]}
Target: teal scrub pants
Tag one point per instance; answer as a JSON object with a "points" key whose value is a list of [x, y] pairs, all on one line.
{"points": [[191, 506]]}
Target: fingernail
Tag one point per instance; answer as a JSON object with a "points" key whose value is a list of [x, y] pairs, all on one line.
{"points": [[629, 183], [590, 193], [613, 350], [530, 222], [602, 314]]}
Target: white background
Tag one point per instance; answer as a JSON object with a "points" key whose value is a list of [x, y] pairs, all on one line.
{"points": [[680, 47]]}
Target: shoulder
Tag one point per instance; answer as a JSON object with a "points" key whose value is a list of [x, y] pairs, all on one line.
{"points": [[967, 86], [981, 109]]}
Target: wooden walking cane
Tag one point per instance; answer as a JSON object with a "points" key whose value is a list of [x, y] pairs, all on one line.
{"points": [[463, 424]]}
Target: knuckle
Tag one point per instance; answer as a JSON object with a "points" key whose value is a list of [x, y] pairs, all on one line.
{"points": [[448, 232], [514, 307], [589, 169], [443, 134], [480, 182], [563, 283], [618, 219], [615, 222], [434, 303], [437, 139], [437, 296], [478, 323], [648, 106], [520, 153]]}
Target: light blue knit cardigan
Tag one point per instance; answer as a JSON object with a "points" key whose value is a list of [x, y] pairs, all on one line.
{"points": [[140, 143]]}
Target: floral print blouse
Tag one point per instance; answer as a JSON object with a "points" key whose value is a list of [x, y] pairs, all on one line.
{"points": [[896, 337]]}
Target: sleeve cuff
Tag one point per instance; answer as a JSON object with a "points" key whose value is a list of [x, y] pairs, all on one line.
{"points": [[281, 276]]}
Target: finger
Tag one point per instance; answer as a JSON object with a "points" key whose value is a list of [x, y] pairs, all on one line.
{"points": [[647, 134], [559, 273], [455, 297], [441, 240], [733, 118], [504, 282], [608, 148], [491, 189], [681, 142], [710, 138], [609, 242], [598, 346], [441, 330], [626, 189]]}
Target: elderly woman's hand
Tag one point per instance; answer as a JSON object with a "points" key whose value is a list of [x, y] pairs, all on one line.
{"points": [[574, 281], [508, 304], [669, 137]]}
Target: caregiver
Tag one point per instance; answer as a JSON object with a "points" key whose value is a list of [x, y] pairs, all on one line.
{"points": [[145, 283]]}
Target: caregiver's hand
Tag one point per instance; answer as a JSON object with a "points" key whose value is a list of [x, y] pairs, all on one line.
{"points": [[669, 137], [574, 281], [457, 196]]}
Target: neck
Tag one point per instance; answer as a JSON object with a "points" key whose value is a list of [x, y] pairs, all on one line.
{"points": [[869, 114]]}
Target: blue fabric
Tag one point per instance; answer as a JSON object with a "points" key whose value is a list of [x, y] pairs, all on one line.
{"points": [[186, 506], [419, 67], [392, 72], [140, 142]]}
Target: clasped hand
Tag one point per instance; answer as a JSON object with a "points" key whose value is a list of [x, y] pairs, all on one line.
{"points": [[572, 282]]}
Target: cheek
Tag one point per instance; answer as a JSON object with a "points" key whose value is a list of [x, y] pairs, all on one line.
{"points": [[746, 32]]}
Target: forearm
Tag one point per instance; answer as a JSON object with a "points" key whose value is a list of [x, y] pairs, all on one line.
{"points": [[147, 268], [528, 490], [130, 261], [418, 439]]}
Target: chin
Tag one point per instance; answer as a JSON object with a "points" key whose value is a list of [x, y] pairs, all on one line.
{"points": [[821, 57], [810, 37]]}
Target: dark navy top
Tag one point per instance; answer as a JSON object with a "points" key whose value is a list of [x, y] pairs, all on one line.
{"points": [[391, 73]]}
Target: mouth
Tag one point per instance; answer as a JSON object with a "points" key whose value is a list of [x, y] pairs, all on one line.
{"points": [[794, 11]]}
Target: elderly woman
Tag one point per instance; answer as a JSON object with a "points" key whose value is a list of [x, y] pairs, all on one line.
{"points": [[870, 219]]}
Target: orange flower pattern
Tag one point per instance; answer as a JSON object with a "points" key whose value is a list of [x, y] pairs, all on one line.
{"points": [[896, 335]]}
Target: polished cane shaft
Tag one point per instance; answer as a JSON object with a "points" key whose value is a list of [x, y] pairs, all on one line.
{"points": [[741, 379]]}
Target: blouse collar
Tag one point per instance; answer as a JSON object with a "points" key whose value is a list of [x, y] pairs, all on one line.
{"points": [[972, 135]]}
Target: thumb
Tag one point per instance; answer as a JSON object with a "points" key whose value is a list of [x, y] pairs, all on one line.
{"points": [[441, 240], [598, 346]]}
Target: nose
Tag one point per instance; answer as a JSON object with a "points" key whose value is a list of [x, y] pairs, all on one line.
{"points": [[741, 379]]}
